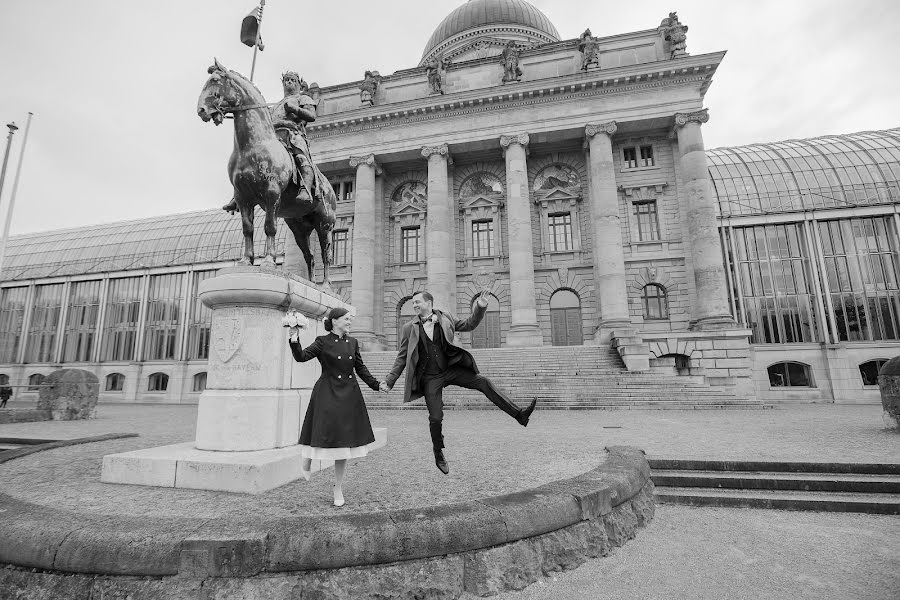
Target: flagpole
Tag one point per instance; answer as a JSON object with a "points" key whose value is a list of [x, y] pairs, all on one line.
{"points": [[12, 196], [262, 5], [12, 129]]}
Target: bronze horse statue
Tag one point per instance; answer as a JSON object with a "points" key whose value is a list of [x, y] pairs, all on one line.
{"points": [[263, 172]]}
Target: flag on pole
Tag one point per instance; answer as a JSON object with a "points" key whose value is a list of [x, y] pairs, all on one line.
{"points": [[250, 28]]}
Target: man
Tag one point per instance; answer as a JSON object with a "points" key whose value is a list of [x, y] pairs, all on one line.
{"points": [[432, 362], [5, 390], [290, 116]]}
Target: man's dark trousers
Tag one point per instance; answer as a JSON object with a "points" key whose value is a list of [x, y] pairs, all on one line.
{"points": [[436, 374]]}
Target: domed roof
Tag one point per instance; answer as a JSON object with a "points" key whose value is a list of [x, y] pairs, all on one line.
{"points": [[478, 13]]}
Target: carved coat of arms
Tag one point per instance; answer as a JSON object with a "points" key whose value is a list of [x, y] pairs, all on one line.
{"points": [[226, 337]]}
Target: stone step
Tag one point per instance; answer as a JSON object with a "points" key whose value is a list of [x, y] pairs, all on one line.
{"points": [[659, 464], [886, 504], [770, 480]]}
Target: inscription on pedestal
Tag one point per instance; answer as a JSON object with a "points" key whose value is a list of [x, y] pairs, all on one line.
{"points": [[244, 355]]}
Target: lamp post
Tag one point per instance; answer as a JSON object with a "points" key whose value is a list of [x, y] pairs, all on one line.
{"points": [[12, 197], [12, 129]]}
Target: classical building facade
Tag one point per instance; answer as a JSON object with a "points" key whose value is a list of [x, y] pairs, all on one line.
{"points": [[571, 177]]}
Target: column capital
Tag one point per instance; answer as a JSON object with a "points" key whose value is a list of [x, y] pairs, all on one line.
{"points": [[440, 150], [700, 116], [592, 129], [368, 159], [519, 138]]}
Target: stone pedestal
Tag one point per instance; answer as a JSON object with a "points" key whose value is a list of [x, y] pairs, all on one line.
{"points": [[249, 417], [889, 384]]}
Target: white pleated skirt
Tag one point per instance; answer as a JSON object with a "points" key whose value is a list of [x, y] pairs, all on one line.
{"points": [[314, 453]]}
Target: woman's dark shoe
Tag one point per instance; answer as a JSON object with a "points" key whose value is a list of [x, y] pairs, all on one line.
{"points": [[441, 462], [526, 413]]}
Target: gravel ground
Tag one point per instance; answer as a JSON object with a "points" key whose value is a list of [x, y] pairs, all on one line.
{"points": [[740, 554], [489, 455]]}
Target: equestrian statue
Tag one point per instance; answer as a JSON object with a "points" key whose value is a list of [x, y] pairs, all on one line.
{"points": [[271, 165]]}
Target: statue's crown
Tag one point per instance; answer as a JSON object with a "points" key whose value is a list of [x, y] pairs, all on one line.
{"points": [[293, 74]]}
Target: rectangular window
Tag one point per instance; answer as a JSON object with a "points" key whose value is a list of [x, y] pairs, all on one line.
{"points": [[200, 321], [647, 221], [123, 308], [348, 190], [44, 321], [646, 156], [560, 231], [340, 246], [163, 313], [483, 238], [410, 244], [81, 321], [12, 312], [629, 158], [861, 263]]}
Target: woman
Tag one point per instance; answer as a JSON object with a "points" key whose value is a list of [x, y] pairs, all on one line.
{"points": [[337, 425]]}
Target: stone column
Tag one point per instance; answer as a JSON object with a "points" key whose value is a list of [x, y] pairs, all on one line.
{"points": [[363, 252], [440, 250], [609, 258], [523, 329], [710, 309]]}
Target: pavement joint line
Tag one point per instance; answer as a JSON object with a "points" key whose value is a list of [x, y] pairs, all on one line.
{"points": [[20, 452]]}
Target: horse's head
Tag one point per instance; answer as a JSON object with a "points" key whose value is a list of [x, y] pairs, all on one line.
{"points": [[221, 93]]}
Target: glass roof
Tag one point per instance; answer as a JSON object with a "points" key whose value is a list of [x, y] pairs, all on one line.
{"points": [[832, 171], [168, 240]]}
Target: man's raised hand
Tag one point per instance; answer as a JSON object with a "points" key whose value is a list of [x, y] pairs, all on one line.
{"points": [[484, 296]]}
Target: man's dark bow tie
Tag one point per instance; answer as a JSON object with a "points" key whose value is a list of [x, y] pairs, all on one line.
{"points": [[432, 317]]}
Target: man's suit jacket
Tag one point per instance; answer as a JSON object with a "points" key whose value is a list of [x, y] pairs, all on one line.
{"points": [[408, 353]]}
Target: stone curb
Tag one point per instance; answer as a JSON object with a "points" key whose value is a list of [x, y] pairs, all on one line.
{"points": [[482, 546]]}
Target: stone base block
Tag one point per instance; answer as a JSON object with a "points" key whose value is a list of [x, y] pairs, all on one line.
{"points": [[185, 466], [245, 420]]}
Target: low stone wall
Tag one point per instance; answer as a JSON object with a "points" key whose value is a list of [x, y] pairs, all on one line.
{"points": [[24, 415], [482, 547]]}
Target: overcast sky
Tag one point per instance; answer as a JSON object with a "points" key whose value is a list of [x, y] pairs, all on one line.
{"points": [[114, 84]]}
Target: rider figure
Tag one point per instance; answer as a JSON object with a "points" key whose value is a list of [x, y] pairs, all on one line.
{"points": [[290, 117]]}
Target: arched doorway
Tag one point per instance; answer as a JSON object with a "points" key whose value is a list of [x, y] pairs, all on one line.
{"points": [[565, 319], [405, 313]]}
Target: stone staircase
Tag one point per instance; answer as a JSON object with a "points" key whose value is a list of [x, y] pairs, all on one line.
{"points": [[831, 487], [567, 378]]}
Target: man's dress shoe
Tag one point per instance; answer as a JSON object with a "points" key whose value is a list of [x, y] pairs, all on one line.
{"points": [[441, 462], [526, 413]]}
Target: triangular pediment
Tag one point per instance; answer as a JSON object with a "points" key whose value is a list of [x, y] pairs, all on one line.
{"points": [[407, 208], [558, 193], [482, 201]]}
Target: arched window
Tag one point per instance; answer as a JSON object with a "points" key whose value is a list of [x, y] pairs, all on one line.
{"points": [[158, 382], [655, 302], [869, 370], [34, 382], [4, 379], [487, 334], [199, 382], [790, 374], [115, 382], [480, 184], [565, 318], [405, 313]]}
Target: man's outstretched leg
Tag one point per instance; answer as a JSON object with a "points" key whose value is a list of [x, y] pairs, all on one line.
{"points": [[435, 403], [473, 381]]}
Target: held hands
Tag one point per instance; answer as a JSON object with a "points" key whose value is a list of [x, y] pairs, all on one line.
{"points": [[383, 388]]}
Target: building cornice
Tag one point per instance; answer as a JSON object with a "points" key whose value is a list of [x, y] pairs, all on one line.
{"points": [[689, 70]]}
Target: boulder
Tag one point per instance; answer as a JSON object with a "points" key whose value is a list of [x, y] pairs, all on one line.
{"points": [[889, 383], [70, 394]]}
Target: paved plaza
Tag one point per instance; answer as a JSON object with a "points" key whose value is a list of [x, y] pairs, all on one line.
{"points": [[741, 553]]}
